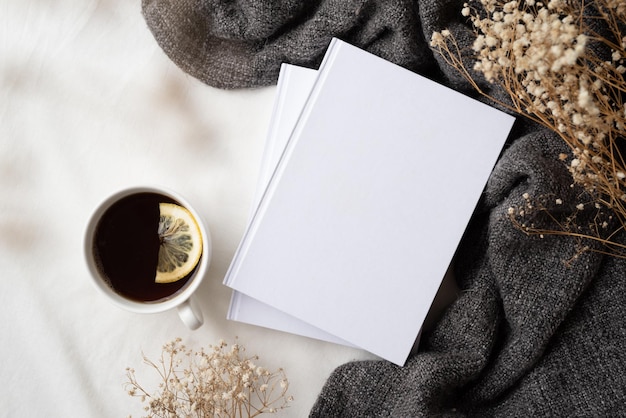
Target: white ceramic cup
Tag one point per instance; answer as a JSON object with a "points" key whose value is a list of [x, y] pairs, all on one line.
{"points": [[183, 300]]}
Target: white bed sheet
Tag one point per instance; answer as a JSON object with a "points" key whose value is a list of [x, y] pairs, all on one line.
{"points": [[89, 104]]}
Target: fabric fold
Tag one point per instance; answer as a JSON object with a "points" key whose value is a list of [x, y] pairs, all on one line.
{"points": [[242, 44]]}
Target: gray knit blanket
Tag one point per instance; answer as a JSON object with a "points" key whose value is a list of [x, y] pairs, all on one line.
{"points": [[538, 327]]}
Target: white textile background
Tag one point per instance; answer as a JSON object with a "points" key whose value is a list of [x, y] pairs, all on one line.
{"points": [[89, 104]]}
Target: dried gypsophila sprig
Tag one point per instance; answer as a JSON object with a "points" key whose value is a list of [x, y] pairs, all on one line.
{"points": [[534, 214], [545, 57], [218, 382]]}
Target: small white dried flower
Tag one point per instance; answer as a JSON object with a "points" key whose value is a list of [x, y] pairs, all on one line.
{"points": [[616, 56], [436, 39], [577, 119]]}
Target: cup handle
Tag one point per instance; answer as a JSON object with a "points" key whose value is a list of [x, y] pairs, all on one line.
{"points": [[190, 313]]}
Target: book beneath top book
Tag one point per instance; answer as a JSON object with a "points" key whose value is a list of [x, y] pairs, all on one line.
{"points": [[293, 88], [366, 205]]}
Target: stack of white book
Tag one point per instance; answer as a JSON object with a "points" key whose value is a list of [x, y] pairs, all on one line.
{"points": [[371, 174]]}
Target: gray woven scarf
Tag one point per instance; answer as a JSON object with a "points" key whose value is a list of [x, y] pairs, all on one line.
{"points": [[538, 327]]}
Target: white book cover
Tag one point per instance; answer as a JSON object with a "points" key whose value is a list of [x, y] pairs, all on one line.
{"points": [[369, 201], [293, 88]]}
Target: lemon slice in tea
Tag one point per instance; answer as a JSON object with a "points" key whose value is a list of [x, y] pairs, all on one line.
{"points": [[180, 243]]}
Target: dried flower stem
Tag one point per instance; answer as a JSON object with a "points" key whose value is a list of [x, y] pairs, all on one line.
{"points": [[562, 65]]}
